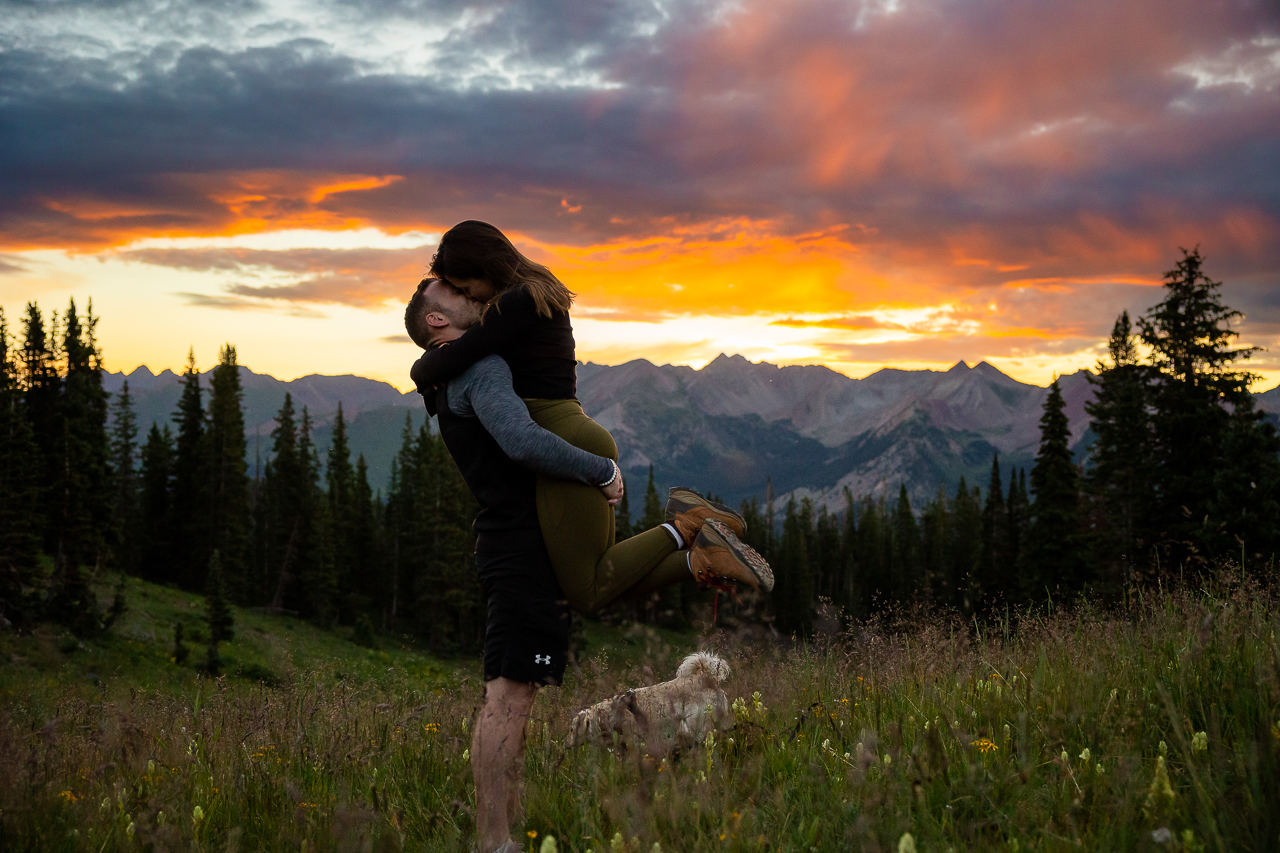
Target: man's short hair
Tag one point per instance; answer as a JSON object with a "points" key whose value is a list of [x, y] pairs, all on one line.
{"points": [[420, 305]]}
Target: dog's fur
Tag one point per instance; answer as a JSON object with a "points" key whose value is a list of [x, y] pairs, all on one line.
{"points": [[673, 714]]}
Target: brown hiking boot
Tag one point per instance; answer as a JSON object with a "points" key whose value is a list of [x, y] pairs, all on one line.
{"points": [[718, 553], [687, 510]]}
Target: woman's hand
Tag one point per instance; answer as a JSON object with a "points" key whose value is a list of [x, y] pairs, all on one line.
{"points": [[613, 490]]}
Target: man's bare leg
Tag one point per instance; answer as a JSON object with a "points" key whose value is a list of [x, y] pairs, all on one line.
{"points": [[497, 758]]}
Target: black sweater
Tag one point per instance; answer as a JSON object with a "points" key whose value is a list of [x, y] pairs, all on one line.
{"points": [[539, 350]]}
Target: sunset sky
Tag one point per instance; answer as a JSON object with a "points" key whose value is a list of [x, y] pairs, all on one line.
{"points": [[897, 183]]}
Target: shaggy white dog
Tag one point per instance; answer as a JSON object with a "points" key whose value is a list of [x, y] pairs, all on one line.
{"points": [[676, 713]]}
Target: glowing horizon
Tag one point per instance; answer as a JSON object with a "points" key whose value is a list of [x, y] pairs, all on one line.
{"points": [[800, 186]]}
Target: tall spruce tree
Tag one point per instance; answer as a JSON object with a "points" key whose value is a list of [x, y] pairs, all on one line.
{"points": [[42, 391], [653, 508], [1200, 398], [993, 575], [369, 582], [935, 536], [318, 574], [227, 489], [1054, 555], [190, 484], [622, 519], [217, 608], [965, 547], [904, 550], [155, 526], [341, 494], [847, 596], [793, 592], [872, 555], [827, 557], [1017, 511], [125, 506], [281, 524], [83, 485], [20, 526], [1118, 478]]}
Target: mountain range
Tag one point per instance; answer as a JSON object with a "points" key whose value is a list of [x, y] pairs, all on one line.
{"points": [[730, 428]]}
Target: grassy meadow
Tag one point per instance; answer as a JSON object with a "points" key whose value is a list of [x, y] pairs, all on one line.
{"points": [[1149, 726]]}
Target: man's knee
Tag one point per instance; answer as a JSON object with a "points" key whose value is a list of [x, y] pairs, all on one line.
{"points": [[513, 694]]}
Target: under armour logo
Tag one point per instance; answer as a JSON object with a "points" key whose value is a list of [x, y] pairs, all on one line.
{"points": [[542, 659]]}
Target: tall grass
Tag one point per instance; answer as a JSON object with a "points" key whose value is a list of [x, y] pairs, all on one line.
{"points": [[1152, 726]]}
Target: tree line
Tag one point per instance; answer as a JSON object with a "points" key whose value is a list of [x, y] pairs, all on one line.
{"points": [[1182, 472], [83, 495], [1182, 476]]}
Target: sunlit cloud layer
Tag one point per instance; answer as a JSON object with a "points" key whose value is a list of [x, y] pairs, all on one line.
{"points": [[858, 184]]}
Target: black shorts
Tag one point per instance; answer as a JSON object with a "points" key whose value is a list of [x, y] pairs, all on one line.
{"points": [[527, 638]]}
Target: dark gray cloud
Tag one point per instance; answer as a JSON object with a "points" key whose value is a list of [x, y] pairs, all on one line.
{"points": [[1077, 138]]}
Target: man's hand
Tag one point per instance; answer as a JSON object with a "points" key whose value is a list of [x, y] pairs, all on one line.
{"points": [[613, 491]]}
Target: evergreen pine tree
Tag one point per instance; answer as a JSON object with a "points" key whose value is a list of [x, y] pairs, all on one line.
{"points": [[848, 597], [124, 462], [155, 524], [872, 558], [317, 573], [42, 391], [667, 602], [622, 519], [227, 490], [437, 544], [654, 513], [1053, 556], [965, 549], [904, 550], [86, 481], [1017, 511], [1118, 479], [993, 577], [212, 660], [190, 485], [398, 516], [827, 557], [82, 485], [20, 526], [370, 584], [1196, 393], [217, 609], [280, 528], [935, 535], [793, 591], [340, 479], [180, 650]]}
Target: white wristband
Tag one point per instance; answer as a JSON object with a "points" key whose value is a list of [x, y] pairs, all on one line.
{"points": [[616, 472]]}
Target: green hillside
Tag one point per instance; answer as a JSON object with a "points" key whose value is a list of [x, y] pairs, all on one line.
{"points": [[49, 665], [138, 651]]}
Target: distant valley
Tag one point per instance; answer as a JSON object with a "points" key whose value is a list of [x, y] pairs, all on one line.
{"points": [[728, 428]]}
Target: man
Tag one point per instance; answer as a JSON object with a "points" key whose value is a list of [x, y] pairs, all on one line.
{"points": [[527, 637], [499, 450]]}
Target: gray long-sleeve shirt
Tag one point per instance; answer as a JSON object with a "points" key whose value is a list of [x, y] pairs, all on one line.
{"points": [[484, 391]]}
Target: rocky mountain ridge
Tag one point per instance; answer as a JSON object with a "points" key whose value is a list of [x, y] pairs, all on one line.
{"points": [[732, 428]]}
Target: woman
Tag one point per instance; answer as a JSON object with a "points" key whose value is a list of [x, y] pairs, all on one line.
{"points": [[526, 322]]}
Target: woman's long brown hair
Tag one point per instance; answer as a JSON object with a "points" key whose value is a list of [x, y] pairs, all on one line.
{"points": [[477, 250]]}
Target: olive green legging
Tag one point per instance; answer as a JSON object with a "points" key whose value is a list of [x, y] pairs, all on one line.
{"points": [[578, 524]]}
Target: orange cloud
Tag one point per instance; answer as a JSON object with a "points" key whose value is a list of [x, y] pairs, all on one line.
{"points": [[194, 205]]}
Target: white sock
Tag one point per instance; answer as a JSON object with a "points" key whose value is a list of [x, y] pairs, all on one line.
{"points": [[680, 543]]}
